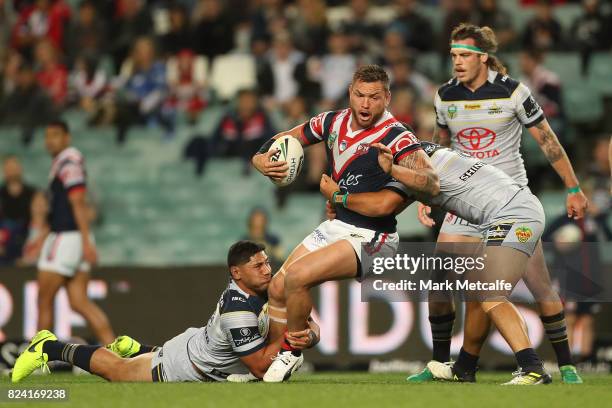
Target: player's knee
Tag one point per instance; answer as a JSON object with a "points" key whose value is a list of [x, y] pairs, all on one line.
{"points": [[117, 371], [296, 278]]}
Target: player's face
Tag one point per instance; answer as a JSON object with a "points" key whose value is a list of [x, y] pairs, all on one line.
{"points": [[56, 140], [368, 101], [256, 274], [467, 65]]}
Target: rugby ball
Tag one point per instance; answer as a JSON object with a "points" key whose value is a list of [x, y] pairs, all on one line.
{"points": [[288, 149]]}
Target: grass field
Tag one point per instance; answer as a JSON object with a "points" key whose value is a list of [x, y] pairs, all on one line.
{"points": [[323, 390]]}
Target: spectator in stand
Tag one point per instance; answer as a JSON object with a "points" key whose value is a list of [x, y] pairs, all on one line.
{"points": [[142, 90], [88, 34], [89, 90], [543, 32], [309, 27], [457, 12], [51, 74], [257, 231], [15, 201], [403, 75], [242, 130], [491, 15], [403, 106], [37, 230], [179, 37], [283, 74], [545, 87], [590, 32], [213, 29], [415, 28], [334, 70], [27, 106], [44, 19], [133, 21], [7, 19], [187, 84], [268, 18], [363, 28], [9, 71], [393, 47]]}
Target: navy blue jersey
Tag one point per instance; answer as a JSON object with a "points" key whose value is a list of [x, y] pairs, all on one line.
{"points": [[354, 166], [67, 175]]}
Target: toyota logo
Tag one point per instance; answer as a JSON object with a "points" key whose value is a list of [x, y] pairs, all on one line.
{"points": [[476, 138]]}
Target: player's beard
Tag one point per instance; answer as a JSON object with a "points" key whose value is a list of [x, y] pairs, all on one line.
{"points": [[370, 122]]}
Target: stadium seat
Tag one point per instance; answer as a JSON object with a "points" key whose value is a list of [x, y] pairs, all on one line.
{"points": [[232, 72]]}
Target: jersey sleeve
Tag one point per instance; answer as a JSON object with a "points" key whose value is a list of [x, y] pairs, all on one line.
{"points": [[397, 187], [527, 109], [440, 119], [72, 176], [313, 130], [403, 145], [242, 330]]}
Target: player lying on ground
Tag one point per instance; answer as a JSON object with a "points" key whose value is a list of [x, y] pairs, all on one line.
{"points": [[333, 249], [488, 197], [234, 341], [482, 112]]}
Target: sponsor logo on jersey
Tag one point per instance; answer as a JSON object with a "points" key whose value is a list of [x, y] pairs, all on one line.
{"points": [[523, 234], [470, 172], [452, 111], [494, 109], [471, 106], [476, 138], [363, 148], [531, 107], [349, 180], [239, 299], [357, 236], [331, 139], [245, 331]]}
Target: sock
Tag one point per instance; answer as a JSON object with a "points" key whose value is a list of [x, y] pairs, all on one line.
{"points": [[528, 360], [441, 332], [556, 330], [285, 346], [75, 354], [144, 348], [466, 361]]}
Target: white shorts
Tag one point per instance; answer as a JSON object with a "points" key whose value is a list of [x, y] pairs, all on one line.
{"points": [[62, 253], [374, 242]]}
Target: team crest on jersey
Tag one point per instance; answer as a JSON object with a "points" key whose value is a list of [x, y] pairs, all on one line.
{"points": [[523, 234], [494, 109], [342, 146], [452, 111], [331, 139]]}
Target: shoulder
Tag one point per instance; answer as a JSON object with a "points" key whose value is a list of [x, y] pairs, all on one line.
{"points": [[234, 301], [448, 89], [506, 83]]}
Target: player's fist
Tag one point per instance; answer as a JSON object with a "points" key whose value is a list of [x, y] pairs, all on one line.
{"points": [[577, 205], [423, 212], [330, 211], [303, 339], [385, 157], [328, 186], [275, 170]]}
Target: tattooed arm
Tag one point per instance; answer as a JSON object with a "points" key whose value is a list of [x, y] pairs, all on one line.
{"points": [[414, 171], [554, 152]]}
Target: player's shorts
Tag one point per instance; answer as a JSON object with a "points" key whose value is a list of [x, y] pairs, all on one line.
{"points": [[519, 224], [62, 253], [171, 362], [330, 231]]}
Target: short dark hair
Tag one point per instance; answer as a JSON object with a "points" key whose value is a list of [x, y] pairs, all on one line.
{"points": [[372, 73], [240, 252], [60, 124]]}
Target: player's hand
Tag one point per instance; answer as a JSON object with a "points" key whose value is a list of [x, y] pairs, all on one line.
{"points": [[385, 157], [275, 170], [423, 212], [303, 339], [90, 254], [576, 204], [328, 186], [330, 211]]}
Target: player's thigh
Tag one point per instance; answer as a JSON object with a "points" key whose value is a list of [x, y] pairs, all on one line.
{"points": [[49, 283], [332, 262], [537, 277], [502, 265], [139, 368]]}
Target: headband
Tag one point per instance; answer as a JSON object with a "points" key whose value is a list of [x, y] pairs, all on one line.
{"points": [[468, 47]]}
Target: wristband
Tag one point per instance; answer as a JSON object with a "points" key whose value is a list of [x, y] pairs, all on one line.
{"points": [[336, 199], [344, 198], [573, 190], [266, 146]]}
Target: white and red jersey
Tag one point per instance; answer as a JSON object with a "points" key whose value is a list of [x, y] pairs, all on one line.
{"points": [[353, 165], [67, 175]]}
